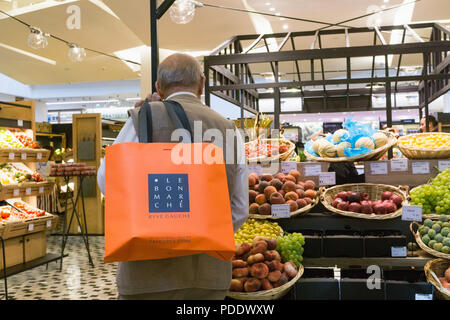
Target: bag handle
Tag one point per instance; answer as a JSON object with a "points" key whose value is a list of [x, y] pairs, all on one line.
{"points": [[176, 114]]}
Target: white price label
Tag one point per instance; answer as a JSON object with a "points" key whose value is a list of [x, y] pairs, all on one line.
{"points": [[49, 223], [421, 296], [420, 167], [23, 156], [255, 169], [281, 211], [412, 213], [16, 192], [399, 164], [288, 166], [41, 189], [327, 178], [31, 227], [20, 123], [39, 156], [443, 164], [378, 168], [399, 252], [28, 191], [312, 170], [79, 229], [11, 156]]}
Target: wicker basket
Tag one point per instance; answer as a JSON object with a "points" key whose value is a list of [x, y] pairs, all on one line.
{"points": [[374, 191], [432, 269], [272, 294], [302, 211], [280, 157], [371, 156], [424, 153], [432, 216], [423, 246]]}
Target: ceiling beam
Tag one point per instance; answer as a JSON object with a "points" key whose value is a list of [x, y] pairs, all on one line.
{"points": [[253, 44]]}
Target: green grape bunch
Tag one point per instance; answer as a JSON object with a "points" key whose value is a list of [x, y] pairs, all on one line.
{"points": [[434, 196], [290, 247]]}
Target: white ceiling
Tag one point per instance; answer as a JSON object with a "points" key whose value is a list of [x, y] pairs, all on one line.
{"points": [[104, 32]]}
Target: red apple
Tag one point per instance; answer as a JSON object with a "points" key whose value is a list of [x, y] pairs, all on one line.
{"points": [[354, 207], [379, 208], [390, 206], [386, 195], [366, 207], [336, 201], [397, 200], [364, 196], [343, 205], [342, 195], [354, 197]]}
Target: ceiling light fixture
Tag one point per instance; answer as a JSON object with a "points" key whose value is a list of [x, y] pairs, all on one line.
{"points": [[37, 39], [183, 11], [81, 102], [76, 53], [285, 26]]}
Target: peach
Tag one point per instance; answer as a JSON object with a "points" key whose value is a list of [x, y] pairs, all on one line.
{"points": [[291, 196], [239, 263], [260, 199], [259, 257], [289, 186], [262, 186], [310, 193], [236, 285], [301, 184], [266, 285], [282, 193], [300, 193], [252, 285], [243, 249], [291, 178], [295, 174], [309, 184], [308, 200], [283, 280], [275, 265], [259, 247], [292, 205], [240, 272], [275, 254], [290, 269], [251, 181], [253, 209], [276, 183], [274, 276], [258, 239], [276, 198], [301, 203], [280, 176], [271, 244], [265, 209], [255, 176], [268, 192], [266, 177], [267, 256], [259, 270], [252, 196]]}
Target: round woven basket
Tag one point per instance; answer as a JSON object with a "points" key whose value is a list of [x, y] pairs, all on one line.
{"points": [[373, 155], [423, 153], [433, 269], [280, 157], [272, 294], [374, 191], [303, 211], [423, 246], [432, 216]]}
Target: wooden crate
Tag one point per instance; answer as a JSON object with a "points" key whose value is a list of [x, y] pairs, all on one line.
{"points": [[43, 127], [2, 229], [26, 189], [15, 229], [13, 252], [35, 246], [24, 155], [40, 223]]}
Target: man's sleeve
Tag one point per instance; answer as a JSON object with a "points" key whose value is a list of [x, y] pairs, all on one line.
{"points": [[239, 199], [127, 134]]}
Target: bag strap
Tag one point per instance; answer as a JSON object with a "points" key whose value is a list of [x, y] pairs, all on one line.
{"points": [[176, 114]]}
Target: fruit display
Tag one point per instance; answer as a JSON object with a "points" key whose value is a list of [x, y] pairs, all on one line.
{"points": [[266, 190], [26, 140], [20, 211], [430, 141], [72, 169], [15, 173], [359, 202], [265, 149], [290, 246], [258, 266], [355, 139], [434, 196], [445, 280], [436, 234], [9, 214], [257, 228], [9, 140]]}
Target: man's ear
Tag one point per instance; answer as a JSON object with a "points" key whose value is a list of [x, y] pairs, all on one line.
{"points": [[159, 91], [202, 86]]}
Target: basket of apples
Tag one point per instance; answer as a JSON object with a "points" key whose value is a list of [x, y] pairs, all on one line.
{"points": [[365, 200]]}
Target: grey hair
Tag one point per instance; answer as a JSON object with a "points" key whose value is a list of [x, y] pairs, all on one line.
{"points": [[179, 71]]}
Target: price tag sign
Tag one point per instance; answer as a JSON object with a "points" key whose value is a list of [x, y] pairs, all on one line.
{"points": [[20, 123], [421, 296], [399, 164], [28, 191], [378, 168], [288, 166], [23, 156], [41, 189], [79, 229], [443, 164], [255, 169], [49, 223], [327, 178], [420, 167], [16, 192], [312, 170], [398, 252], [11, 156], [39, 156], [281, 211], [412, 213], [31, 227]]}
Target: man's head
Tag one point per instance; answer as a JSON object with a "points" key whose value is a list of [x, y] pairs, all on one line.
{"points": [[179, 72], [423, 125]]}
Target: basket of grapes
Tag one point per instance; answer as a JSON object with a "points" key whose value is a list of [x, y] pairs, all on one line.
{"points": [[266, 269], [433, 236], [433, 196]]}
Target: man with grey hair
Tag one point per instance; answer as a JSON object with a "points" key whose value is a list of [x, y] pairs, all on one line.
{"points": [[196, 277]]}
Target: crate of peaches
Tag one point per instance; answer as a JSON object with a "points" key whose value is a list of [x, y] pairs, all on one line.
{"points": [[267, 190]]}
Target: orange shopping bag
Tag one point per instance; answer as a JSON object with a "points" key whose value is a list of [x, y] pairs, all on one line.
{"points": [[156, 209]]}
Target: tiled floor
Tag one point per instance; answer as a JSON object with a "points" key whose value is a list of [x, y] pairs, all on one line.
{"points": [[78, 280]]}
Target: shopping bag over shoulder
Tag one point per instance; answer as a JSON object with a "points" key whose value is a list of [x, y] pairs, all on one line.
{"points": [[156, 208]]}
